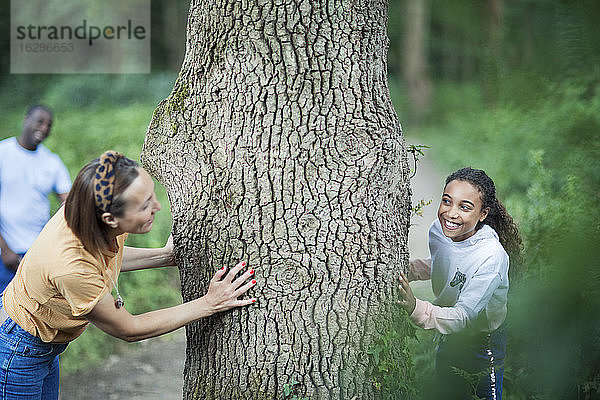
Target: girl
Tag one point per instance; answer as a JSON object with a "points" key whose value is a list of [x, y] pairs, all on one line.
{"points": [[470, 244], [66, 278]]}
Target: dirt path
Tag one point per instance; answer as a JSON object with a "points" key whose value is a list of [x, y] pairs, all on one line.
{"points": [[154, 370], [426, 185]]}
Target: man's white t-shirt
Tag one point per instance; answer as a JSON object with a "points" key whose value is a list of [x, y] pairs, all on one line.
{"points": [[26, 179]]}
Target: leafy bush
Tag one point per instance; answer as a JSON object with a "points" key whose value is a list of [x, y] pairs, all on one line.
{"points": [[390, 355], [554, 347]]}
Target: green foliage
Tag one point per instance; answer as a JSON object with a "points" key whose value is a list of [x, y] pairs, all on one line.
{"points": [[472, 380], [416, 151], [289, 389], [67, 93], [554, 314], [418, 208], [392, 363]]}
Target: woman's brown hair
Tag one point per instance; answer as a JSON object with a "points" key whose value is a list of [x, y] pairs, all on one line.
{"points": [[81, 213]]}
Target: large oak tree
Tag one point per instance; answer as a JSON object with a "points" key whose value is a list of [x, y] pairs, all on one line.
{"points": [[279, 145]]}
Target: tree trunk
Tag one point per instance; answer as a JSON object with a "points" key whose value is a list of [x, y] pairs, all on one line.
{"points": [[415, 67], [492, 63], [279, 145]]}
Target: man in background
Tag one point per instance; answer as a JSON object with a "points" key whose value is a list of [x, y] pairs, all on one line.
{"points": [[29, 172]]}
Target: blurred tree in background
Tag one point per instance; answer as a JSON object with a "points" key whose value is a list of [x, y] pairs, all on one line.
{"points": [[520, 43]]}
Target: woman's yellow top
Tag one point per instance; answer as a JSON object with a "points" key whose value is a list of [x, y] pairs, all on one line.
{"points": [[58, 282]]}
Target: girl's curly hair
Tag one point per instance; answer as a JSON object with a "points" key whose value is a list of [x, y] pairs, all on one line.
{"points": [[498, 218]]}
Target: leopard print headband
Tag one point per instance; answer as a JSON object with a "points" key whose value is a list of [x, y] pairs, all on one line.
{"points": [[104, 180]]}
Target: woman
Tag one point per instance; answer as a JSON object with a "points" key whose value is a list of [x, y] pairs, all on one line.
{"points": [[66, 279], [470, 244]]}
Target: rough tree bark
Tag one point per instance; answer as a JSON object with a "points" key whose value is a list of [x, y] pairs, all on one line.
{"points": [[279, 145]]}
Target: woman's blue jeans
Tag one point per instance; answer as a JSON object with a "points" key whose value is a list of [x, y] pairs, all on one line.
{"points": [[6, 275], [28, 367]]}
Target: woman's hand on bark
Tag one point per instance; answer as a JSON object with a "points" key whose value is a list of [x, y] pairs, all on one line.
{"points": [[225, 289]]}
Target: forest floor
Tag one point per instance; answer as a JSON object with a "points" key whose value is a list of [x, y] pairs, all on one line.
{"points": [[151, 371], [154, 370]]}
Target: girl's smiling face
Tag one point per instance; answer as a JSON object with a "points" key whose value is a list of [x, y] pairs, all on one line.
{"points": [[460, 210]]}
